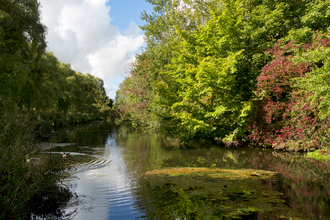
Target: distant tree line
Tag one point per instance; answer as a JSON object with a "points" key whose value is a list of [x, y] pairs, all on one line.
{"points": [[34, 80]]}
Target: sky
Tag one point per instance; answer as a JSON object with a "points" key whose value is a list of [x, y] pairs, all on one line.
{"points": [[95, 36]]}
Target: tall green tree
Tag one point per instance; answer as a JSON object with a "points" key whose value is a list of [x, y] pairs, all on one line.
{"points": [[22, 43], [201, 98]]}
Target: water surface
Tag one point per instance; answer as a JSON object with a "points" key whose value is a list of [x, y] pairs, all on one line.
{"points": [[110, 165]]}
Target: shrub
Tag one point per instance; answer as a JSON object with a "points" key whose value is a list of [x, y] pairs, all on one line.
{"points": [[290, 108]]}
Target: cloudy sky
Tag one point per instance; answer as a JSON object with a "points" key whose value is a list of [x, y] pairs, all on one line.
{"points": [[95, 36]]}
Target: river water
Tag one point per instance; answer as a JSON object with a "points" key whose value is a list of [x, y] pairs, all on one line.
{"points": [[110, 181]]}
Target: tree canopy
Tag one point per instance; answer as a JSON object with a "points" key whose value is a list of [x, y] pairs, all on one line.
{"points": [[199, 78], [35, 80]]}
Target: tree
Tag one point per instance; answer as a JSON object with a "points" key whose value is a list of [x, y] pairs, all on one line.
{"points": [[102, 102], [22, 43], [204, 59], [201, 97], [135, 97]]}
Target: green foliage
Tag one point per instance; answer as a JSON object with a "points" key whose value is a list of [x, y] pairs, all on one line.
{"points": [[319, 155], [317, 80], [24, 187], [205, 76], [201, 96], [318, 15], [22, 43], [36, 80], [202, 61], [103, 103], [61, 95]]}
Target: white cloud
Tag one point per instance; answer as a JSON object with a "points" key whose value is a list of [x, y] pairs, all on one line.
{"points": [[80, 33], [110, 58]]}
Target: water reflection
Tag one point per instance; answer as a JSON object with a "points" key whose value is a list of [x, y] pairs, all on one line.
{"points": [[110, 166], [101, 180]]}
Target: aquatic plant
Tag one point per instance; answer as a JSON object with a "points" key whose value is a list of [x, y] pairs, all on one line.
{"points": [[205, 193]]}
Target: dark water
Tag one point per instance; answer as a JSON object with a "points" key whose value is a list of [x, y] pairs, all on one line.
{"points": [[109, 165]]}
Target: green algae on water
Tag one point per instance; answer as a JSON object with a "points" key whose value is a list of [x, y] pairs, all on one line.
{"points": [[206, 193]]}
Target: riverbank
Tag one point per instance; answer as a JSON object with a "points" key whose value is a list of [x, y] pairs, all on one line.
{"points": [[29, 185]]}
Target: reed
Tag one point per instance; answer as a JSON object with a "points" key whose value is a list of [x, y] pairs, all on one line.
{"points": [[28, 186]]}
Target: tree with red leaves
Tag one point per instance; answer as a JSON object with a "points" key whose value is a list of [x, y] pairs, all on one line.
{"points": [[292, 108]]}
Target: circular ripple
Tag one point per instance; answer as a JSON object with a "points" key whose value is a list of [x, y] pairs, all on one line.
{"points": [[85, 162], [89, 162]]}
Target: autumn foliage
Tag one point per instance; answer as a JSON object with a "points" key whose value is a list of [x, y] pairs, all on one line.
{"points": [[285, 114]]}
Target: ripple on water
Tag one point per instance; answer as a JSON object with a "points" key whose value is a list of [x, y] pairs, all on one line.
{"points": [[84, 162]]}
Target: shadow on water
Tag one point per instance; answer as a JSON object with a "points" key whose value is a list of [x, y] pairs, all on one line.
{"points": [[127, 175]]}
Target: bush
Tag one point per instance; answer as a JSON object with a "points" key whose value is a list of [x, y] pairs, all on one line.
{"points": [[291, 109]]}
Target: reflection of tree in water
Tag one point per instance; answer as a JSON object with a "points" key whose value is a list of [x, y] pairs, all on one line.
{"points": [[91, 134], [305, 183]]}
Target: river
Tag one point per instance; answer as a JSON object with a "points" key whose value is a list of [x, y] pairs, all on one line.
{"points": [[129, 175]]}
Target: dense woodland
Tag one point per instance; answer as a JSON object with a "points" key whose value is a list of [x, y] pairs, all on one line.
{"points": [[38, 93], [253, 71]]}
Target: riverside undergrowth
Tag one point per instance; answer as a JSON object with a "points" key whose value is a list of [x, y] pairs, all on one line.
{"points": [[28, 187]]}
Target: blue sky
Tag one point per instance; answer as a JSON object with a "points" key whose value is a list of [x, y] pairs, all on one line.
{"points": [[95, 36], [125, 11]]}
